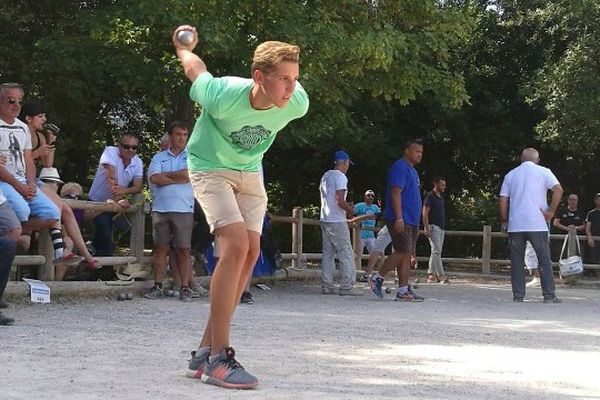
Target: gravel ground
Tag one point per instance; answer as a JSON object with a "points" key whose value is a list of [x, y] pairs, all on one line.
{"points": [[466, 341]]}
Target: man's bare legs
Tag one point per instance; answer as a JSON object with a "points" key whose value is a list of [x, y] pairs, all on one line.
{"points": [[375, 257], [239, 249], [400, 262], [159, 262]]}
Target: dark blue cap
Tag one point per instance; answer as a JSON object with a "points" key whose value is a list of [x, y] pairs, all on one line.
{"points": [[341, 155]]}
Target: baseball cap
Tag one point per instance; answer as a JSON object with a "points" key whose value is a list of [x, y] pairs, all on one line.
{"points": [[370, 192], [341, 155]]}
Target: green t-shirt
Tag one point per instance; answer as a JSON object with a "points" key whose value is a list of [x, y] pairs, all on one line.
{"points": [[230, 134]]}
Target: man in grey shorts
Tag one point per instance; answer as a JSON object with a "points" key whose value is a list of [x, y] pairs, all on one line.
{"points": [[172, 210]]}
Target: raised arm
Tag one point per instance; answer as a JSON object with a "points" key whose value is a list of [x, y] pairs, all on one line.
{"points": [[192, 64]]}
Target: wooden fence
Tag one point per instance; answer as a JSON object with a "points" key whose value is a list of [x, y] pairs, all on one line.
{"points": [[297, 256]]}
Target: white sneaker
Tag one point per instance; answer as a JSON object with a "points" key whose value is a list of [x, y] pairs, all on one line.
{"points": [[535, 282]]}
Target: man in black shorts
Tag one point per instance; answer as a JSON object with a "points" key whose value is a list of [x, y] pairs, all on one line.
{"points": [[402, 216]]}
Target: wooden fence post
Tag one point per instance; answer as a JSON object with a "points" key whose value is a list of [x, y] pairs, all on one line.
{"points": [[486, 249], [138, 222], [46, 249], [297, 234]]}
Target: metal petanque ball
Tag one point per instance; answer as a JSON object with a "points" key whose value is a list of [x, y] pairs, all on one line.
{"points": [[121, 296], [185, 37], [129, 296]]}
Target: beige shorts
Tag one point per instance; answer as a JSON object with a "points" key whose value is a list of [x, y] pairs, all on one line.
{"points": [[228, 196]]}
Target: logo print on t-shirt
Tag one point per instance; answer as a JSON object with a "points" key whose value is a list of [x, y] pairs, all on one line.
{"points": [[250, 136]]}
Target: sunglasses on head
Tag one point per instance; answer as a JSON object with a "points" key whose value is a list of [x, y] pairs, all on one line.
{"points": [[129, 146], [12, 101]]}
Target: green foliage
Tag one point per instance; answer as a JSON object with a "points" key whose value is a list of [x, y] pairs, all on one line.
{"points": [[477, 80]]}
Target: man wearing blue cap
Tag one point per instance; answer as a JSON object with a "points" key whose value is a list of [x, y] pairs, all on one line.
{"points": [[334, 227]]}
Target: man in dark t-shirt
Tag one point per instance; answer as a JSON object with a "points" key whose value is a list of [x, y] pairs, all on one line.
{"points": [[570, 220], [570, 217], [592, 228], [434, 218]]}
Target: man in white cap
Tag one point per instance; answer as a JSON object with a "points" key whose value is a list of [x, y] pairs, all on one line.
{"points": [[367, 233]]}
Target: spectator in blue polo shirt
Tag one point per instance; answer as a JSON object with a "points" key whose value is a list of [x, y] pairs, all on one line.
{"points": [[172, 210]]}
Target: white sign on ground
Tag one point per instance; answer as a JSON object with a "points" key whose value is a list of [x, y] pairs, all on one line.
{"points": [[40, 292]]}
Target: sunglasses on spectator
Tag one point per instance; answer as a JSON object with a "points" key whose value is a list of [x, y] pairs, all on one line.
{"points": [[129, 146], [12, 101]]}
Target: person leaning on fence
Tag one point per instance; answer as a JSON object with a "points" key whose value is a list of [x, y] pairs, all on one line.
{"points": [[525, 189], [402, 214], [120, 173], [18, 175], [33, 114], [434, 223], [172, 211], [592, 228], [334, 228]]}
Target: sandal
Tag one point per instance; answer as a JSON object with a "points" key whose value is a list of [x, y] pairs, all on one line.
{"points": [[69, 259], [95, 264]]}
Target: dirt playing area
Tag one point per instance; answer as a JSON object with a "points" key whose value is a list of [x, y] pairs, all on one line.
{"points": [[466, 341]]}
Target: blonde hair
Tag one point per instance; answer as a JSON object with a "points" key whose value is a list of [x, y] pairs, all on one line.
{"points": [[269, 54], [71, 188]]}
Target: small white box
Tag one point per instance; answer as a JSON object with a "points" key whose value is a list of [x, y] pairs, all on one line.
{"points": [[40, 292]]}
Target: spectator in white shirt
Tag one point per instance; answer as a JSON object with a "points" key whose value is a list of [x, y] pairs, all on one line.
{"points": [[526, 188], [120, 172]]}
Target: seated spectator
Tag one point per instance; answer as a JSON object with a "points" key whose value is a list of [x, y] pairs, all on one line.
{"points": [[43, 153], [120, 172], [10, 230], [17, 177]]}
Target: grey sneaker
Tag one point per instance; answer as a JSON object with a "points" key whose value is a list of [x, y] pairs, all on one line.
{"points": [[185, 295], [409, 296], [6, 321], [226, 372], [196, 364], [552, 299], [327, 290], [198, 291], [351, 292], [155, 293]]}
